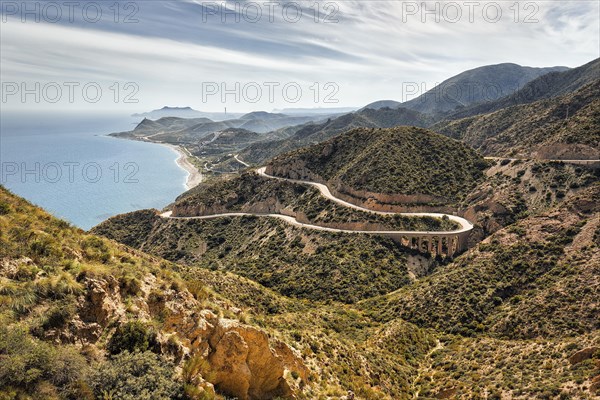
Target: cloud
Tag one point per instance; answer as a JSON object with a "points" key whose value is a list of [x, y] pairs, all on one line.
{"points": [[372, 49]]}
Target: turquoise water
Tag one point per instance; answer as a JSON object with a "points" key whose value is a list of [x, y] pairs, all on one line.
{"points": [[67, 165]]}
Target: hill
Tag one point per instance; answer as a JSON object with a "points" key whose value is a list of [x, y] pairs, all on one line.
{"points": [[515, 189], [376, 105], [189, 131], [563, 127], [148, 127], [544, 262], [312, 133], [553, 84], [252, 193], [532, 285], [262, 115], [293, 261], [316, 110], [399, 165], [514, 316], [83, 317], [477, 85]]}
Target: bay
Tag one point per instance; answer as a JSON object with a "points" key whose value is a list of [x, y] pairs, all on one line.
{"points": [[66, 164]]}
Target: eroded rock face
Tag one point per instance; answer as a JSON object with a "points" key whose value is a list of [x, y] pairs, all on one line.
{"points": [[245, 364], [103, 302], [229, 360], [243, 361]]}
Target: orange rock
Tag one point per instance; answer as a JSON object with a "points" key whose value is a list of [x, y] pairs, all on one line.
{"points": [[582, 355]]}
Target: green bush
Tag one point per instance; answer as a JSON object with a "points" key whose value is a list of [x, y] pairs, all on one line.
{"points": [[96, 249], [26, 362], [4, 208], [58, 316], [136, 376], [132, 336]]}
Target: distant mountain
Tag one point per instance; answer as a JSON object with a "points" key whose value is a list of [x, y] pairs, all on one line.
{"points": [[397, 165], [563, 127], [316, 111], [474, 86], [235, 136], [186, 112], [191, 130], [262, 115], [317, 132], [477, 85], [544, 87], [148, 127], [382, 104]]}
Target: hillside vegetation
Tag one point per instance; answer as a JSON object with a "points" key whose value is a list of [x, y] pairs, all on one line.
{"points": [[565, 127], [293, 261], [536, 278], [86, 318], [546, 86], [396, 161], [520, 310], [516, 189], [514, 317]]}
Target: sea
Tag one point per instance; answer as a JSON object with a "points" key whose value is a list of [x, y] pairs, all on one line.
{"points": [[66, 164]]}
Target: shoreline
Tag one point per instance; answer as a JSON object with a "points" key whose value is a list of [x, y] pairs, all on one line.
{"points": [[194, 177]]}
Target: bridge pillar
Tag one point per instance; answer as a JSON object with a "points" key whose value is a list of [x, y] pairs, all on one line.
{"points": [[430, 244], [420, 243], [439, 246]]}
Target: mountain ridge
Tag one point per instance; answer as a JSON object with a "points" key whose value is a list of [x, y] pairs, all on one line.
{"points": [[480, 84]]}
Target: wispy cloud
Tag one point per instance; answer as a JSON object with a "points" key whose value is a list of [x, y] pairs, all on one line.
{"points": [[369, 52]]}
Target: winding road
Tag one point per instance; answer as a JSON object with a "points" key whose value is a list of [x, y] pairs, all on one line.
{"points": [[465, 225], [454, 239]]}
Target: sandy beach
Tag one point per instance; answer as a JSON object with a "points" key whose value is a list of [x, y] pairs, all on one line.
{"points": [[194, 176]]}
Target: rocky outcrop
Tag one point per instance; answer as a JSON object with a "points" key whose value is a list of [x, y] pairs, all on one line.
{"points": [[418, 265], [244, 363], [566, 151], [267, 206], [242, 360], [102, 301], [10, 267], [582, 355], [293, 169], [595, 384], [386, 199]]}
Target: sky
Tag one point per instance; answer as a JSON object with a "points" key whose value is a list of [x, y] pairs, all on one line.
{"points": [[242, 55]]}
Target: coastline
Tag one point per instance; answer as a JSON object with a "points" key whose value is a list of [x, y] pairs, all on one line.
{"points": [[194, 176]]}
